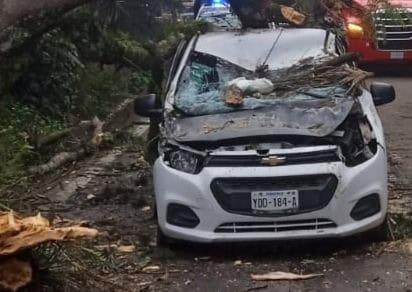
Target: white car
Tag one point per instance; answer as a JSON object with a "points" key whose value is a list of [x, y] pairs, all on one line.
{"points": [[310, 165], [219, 14]]}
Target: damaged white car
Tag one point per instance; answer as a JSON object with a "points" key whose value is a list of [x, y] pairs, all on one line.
{"points": [[250, 151]]}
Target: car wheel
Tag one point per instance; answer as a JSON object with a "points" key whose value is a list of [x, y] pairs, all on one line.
{"points": [[380, 233], [164, 241], [161, 238]]}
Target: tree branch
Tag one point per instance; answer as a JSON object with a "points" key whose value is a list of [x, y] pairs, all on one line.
{"points": [[12, 11]]}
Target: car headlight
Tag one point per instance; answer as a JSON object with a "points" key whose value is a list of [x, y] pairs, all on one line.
{"points": [[355, 30], [184, 161]]}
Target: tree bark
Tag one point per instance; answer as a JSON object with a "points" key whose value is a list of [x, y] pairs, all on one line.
{"points": [[12, 11]]}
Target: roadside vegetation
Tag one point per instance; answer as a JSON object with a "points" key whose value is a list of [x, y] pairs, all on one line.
{"points": [[64, 66], [66, 72]]}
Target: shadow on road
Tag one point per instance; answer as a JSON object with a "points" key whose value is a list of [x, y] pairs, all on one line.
{"points": [[358, 245]]}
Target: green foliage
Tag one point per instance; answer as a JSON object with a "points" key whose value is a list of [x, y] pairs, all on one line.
{"points": [[65, 66], [57, 66], [100, 89], [17, 123], [188, 29], [121, 48], [139, 82]]}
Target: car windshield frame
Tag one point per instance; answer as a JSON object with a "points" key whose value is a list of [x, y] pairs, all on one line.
{"points": [[211, 104]]}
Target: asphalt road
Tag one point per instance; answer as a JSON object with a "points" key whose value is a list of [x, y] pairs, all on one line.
{"points": [[354, 264], [397, 119]]}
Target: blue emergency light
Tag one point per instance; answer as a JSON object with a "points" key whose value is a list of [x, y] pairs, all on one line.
{"points": [[219, 2]]}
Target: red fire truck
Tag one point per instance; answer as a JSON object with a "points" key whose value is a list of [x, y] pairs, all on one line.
{"points": [[392, 38]]}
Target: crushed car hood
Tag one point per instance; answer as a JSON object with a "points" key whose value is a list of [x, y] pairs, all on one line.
{"points": [[317, 118]]}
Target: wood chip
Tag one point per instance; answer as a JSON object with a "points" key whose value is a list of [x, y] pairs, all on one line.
{"points": [[15, 274], [115, 247], [279, 276], [233, 96], [151, 269], [126, 248], [292, 15]]}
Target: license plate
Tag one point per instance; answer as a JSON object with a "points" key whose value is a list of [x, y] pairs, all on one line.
{"points": [[397, 55], [275, 200]]}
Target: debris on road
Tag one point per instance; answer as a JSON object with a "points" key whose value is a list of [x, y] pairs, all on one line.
{"points": [[400, 246], [257, 288], [151, 269], [279, 276], [203, 259], [118, 248]]}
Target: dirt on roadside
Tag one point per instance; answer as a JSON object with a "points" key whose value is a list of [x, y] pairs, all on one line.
{"points": [[112, 192]]}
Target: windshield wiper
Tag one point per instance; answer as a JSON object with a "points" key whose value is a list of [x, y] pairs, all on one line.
{"points": [[312, 94]]}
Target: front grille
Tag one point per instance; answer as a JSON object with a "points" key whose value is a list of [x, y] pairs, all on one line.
{"points": [[234, 194], [324, 156], [301, 225], [394, 30]]}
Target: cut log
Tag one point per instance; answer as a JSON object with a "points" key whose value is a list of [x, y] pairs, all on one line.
{"points": [[15, 274]]}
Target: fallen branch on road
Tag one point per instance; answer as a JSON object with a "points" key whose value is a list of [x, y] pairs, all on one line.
{"points": [[63, 158], [278, 276], [57, 161]]}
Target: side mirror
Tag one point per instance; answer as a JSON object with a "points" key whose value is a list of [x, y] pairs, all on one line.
{"points": [[148, 106], [382, 93]]}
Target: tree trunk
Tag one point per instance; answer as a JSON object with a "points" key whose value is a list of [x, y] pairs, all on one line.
{"points": [[12, 11]]}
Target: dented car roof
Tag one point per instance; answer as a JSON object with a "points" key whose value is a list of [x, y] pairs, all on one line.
{"points": [[278, 48]]}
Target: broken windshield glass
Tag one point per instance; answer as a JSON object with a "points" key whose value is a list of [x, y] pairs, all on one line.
{"points": [[210, 85]]}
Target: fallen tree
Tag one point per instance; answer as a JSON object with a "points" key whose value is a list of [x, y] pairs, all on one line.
{"points": [[90, 136], [308, 74], [12, 11]]}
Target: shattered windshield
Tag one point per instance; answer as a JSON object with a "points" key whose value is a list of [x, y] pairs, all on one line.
{"points": [[210, 85]]}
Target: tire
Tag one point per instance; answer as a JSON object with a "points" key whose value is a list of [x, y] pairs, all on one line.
{"points": [[151, 152], [164, 241], [380, 233], [161, 239]]}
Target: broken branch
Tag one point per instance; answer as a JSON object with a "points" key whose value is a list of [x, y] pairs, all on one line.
{"points": [[56, 162], [278, 276]]}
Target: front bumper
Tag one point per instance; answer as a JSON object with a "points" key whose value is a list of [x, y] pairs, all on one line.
{"points": [[371, 55], [194, 191]]}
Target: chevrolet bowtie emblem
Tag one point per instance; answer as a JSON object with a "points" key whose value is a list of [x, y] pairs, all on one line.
{"points": [[273, 160]]}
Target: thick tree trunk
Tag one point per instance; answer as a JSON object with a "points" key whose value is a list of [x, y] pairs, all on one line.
{"points": [[11, 11]]}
